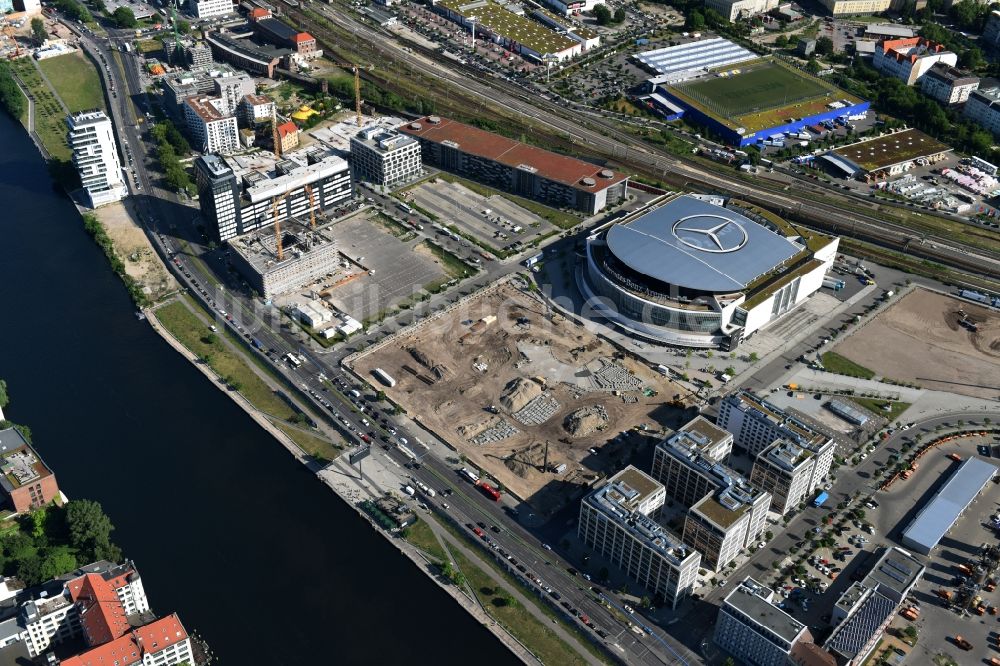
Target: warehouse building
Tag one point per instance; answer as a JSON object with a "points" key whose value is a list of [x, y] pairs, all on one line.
{"points": [[685, 61], [588, 38], [245, 54], [237, 198], [385, 157], [950, 502], [696, 274], [890, 155], [282, 34], [617, 520], [511, 166]]}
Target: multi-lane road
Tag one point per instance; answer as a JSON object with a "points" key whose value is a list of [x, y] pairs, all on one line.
{"points": [[326, 389]]}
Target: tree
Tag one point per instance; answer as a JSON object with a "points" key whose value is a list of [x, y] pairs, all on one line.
{"points": [[38, 32], [183, 27], [602, 14], [620, 15], [911, 632], [972, 58], [56, 562], [824, 46], [4, 397], [90, 530], [813, 66], [124, 18], [780, 42], [695, 20], [753, 357]]}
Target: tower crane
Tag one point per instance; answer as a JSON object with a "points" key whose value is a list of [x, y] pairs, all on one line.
{"points": [[8, 30], [274, 130], [357, 88]]}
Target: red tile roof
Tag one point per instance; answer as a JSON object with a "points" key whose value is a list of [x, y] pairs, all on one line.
{"points": [[129, 649], [287, 128], [303, 37], [474, 141], [899, 48], [257, 13], [101, 612]]}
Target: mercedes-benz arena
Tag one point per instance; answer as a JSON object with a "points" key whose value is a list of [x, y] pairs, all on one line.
{"points": [[695, 273]]}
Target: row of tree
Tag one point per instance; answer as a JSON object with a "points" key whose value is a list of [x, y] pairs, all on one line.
{"points": [[170, 147], [10, 95], [605, 17]]}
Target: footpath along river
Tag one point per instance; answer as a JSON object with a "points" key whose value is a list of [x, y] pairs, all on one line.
{"points": [[252, 551]]}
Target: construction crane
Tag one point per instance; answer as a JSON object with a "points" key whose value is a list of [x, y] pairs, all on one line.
{"points": [[357, 88], [274, 130], [8, 30], [278, 250], [312, 206]]}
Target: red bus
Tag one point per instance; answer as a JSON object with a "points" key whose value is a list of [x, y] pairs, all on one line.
{"points": [[490, 491]]}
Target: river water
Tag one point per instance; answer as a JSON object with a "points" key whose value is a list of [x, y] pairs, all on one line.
{"points": [[251, 550]]}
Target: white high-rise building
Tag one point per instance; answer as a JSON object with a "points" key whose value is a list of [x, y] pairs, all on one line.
{"points": [[95, 154], [210, 125], [385, 156]]}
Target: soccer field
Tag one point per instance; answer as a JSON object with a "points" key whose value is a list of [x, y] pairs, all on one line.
{"points": [[757, 88]]}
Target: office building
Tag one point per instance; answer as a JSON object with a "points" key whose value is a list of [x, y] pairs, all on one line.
{"points": [[385, 157], [236, 198], [752, 629], [245, 54], [617, 520], [735, 10], [855, 7], [186, 52], [910, 59], [254, 109], [756, 424], [27, 482], [511, 166], [211, 127], [95, 155], [202, 81], [725, 513], [866, 608], [983, 108], [791, 472], [206, 8]]}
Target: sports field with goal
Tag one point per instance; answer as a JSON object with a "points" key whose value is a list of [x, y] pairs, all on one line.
{"points": [[759, 94]]}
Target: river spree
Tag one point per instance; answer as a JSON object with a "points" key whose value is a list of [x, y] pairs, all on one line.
{"points": [[251, 550]]}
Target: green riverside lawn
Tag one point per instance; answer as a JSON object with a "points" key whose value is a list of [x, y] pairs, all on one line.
{"points": [[75, 80]]}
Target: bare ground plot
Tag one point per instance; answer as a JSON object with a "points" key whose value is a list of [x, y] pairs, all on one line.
{"points": [[455, 204], [141, 261], [402, 269], [500, 390], [920, 339]]}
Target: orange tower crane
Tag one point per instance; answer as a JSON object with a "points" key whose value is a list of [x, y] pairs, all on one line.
{"points": [[357, 88], [274, 131]]}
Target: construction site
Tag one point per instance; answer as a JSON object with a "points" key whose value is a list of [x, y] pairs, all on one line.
{"points": [[533, 399]]}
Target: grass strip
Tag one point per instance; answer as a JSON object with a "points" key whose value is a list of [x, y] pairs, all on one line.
{"points": [[422, 536], [876, 406], [841, 365], [75, 81]]}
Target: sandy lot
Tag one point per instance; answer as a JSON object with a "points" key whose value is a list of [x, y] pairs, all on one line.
{"points": [[919, 339], [132, 245], [499, 390]]}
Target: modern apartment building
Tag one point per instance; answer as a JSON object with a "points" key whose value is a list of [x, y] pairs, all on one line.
{"points": [[254, 109], [91, 136], [741, 9], [385, 157], [855, 7], [910, 59], [983, 108], [755, 631], [206, 8], [948, 85], [210, 124], [791, 472], [725, 513], [756, 423], [235, 199], [203, 81], [617, 520], [26, 481]]}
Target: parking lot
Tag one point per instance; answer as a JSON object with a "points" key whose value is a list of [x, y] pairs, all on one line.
{"points": [[494, 220], [394, 268]]}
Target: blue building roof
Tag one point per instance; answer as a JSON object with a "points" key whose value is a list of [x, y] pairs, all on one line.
{"points": [[937, 517], [697, 245]]}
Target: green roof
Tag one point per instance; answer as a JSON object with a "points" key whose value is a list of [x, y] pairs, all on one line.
{"points": [[500, 21], [890, 149]]}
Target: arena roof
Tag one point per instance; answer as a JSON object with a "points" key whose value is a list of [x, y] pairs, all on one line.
{"points": [[938, 515], [474, 141], [695, 244]]}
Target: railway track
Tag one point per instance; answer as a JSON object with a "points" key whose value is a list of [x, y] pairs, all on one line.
{"points": [[598, 136]]}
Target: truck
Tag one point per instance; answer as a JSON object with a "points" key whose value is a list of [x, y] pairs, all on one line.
{"points": [[965, 568], [356, 393], [833, 283], [909, 613], [955, 457], [821, 499], [385, 377], [409, 490], [962, 643], [489, 491]]}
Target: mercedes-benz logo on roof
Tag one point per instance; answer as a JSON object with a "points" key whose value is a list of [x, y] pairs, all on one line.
{"points": [[710, 233]]}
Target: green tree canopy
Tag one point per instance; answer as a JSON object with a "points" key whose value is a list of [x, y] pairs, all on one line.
{"points": [[824, 46], [124, 18], [90, 530], [38, 32], [602, 14]]}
